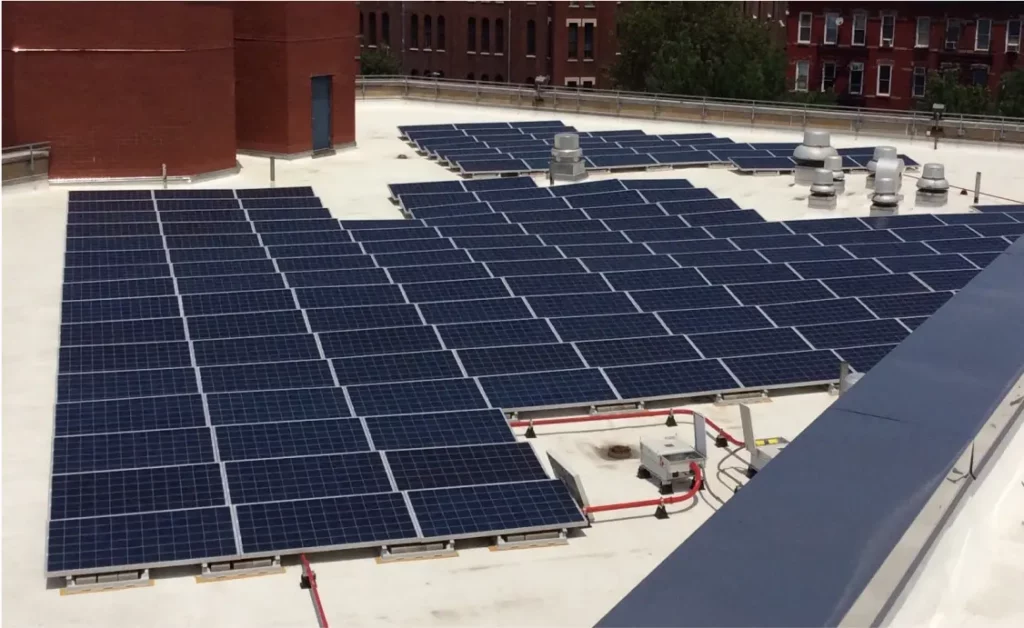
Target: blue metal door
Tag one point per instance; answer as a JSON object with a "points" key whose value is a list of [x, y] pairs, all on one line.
{"points": [[321, 88]]}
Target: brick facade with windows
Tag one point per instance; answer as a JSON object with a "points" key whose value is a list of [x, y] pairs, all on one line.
{"points": [[879, 54]]}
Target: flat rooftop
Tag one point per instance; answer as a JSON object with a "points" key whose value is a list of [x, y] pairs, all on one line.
{"points": [[575, 584]]}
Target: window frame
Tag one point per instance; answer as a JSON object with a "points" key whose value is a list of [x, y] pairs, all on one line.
{"points": [[414, 31], [800, 27], [881, 31], [878, 79], [531, 39], [862, 17], [977, 34], [927, 22], [835, 33], [856, 66], [950, 24], [485, 38], [572, 41], [371, 28], [807, 76], [428, 32], [919, 71], [441, 35], [983, 67], [824, 65], [1009, 30], [592, 29], [499, 37]]}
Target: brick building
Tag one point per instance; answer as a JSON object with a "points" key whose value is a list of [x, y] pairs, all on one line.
{"points": [[120, 88], [879, 54]]}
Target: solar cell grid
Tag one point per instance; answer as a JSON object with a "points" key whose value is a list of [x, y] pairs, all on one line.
{"points": [[475, 310], [379, 341], [346, 296], [333, 262], [455, 290], [969, 245], [119, 309], [655, 222], [266, 376], [281, 479], [684, 194], [375, 369], [257, 349], [691, 246], [513, 194], [108, 195], [653, 279], [749, 229], [462, 209], [912, 263], [714, 319], [683, 298], [595, 237], [439, 429], [436, 467], [417, 397], [113, 230], [780, 292], [114, 244], [546, 389], [117, 289], [751, 342], [293, 438], [278, 192], [734, 217], [838, 268], [399, 233], [718, 258], [894, 222], [176, 204], [533, 285], [362, 317], [622, 211], [305, 237], [74, 274], [875, 285], [489, 218], [297, 213], [223, 215], [854, 334], [670, 379], [974, 219], [496, 333], [497, 242], [213, 241], [509, 254], [748, 273], [813, 312], [237, 302], [480, 230], [129, 415], [132, 450], [422, 258], [519, 359], [115, 258], [699, 206], [229, 283], [504, 183], [784, 369], [123, 357], [856, 237], [535, 267], [1011, 229], [243, 325], [150, 330], [947, 279], [981, 260], [293, 202], [442, 272], [278, 406], [292, 226], [569, 226], [545, 215], [904, 305], [207, 228], [608, 326], [863, 359], [344, 277], [234, 267], [119, 206], [826, 225], [628, 263], [218, 255]]}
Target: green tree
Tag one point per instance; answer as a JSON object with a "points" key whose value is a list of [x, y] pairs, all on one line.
{"points": [[379, 62], [698, 49], [1011, 95], [946, 87]]}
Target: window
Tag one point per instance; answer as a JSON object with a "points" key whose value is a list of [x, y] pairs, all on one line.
{"points": [[414, 31], [920, 79], [952, 34], [373, 29], [571, 83], [588, 84], [440, 32], [831, 28], [499, 78], [888, 29], [979, 75], [428, 32], [531, 38], [803, 35], [360, 23], [485, 35], [385, 28], [924, 25], [414, 73], [860, 29], [574, 34], [1013, 36], [529, 80], [884, 85], [484, 78], [983, 34], [803, 71], [471, 35], [588, 41], [499, 36], [828, 76], [856, 78], [470, 77], [551, 39]]}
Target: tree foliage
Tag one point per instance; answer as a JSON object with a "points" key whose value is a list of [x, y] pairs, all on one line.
{"points": [[698, 49], [379, 62], [1010, 100], [947, 87]]}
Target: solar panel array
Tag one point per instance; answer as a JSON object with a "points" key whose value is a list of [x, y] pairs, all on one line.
{"points": [[237, 377], [513, 148]]}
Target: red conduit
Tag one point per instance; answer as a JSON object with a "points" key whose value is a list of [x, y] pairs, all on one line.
{"points": [[636, 414], [698, 479], [314, 591]]}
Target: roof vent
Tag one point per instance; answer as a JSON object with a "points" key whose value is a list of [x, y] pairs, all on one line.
{"points": [[811, 155], [881, 152], [823, 192], [932, 187], [567, 159], [835, 164], [886, 200]]}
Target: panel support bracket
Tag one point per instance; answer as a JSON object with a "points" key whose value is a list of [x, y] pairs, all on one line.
{"points": [[213, 572], [106, 582], [548, 538], [417, 551]]}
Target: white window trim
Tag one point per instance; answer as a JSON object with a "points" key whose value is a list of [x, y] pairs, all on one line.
{"points": [[1016, 45], [878, 79], [857, 65], [834, 72], [959, 34], [927, 34], [574, 79], [881, 31], [807, 76], [977, 33], [913, 83], [835, 39], [800, 28], [864, 30]]}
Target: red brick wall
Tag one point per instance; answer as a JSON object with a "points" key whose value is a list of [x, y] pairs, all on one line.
{"points": [[123, 87]]}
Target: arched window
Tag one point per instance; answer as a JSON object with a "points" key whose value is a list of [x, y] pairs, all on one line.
{"points": [[470, 77], [531, 38], [414, 31], [385, 28], [471, 34], [360, 23], [373, 29], [485, 35], [428, 33], [440, 32], [499, 35], [484, 78], [499, 78], [414, 73]]}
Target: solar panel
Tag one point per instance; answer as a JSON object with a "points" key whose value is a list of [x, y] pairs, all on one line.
{"points": [[620, 161], [108, 195], [266, 376], [701, 206], [608, 326], [784, 369], [504, 183], [436, 467], [622, 211], [687, 194], [439, 429], [520, 359], [118, 332], [186, 204], [256, 349], [759, 162], [278, 192], [433, 187], [443, 272], [718, 258], [947, 279], [396, 367], [332, 262], [863, 359], [416, 397], [748, 273], [217, 255], [218, 283], [489, 218], [838, 268], [595, 237], [237, 302], [670, 379], [974, 219], [981, 260], [656, 184], [114, 244], [663, 235], [234, 267], [242, 325], [780, 292], [574, 226], [1011, 229], [750, 342], [895, 249], [114, 258], [856, 237], [686, 157], [129, 415], [969, 245], [912, 263], [1010, 208], [224, 215], [644, 222], [214, 241], [750, 229], [205, 228], [874, 285], [118, 309], [483, 166], [813, 312], [692, 246], [513, 253], [533, 285], [379, 341], [906, 220], [448, 211], [279, 406], [714, 319], [422, 258], [628, 263], [113, 230], [282, 479], [903, 305], [362, 317], [474, 310], [587, 187], [496, 333], [806, 254], [255, 441], [118, 289], [853, 334], [513, 194], [683, 298], [495, 242], [455, 290], [132, 450], [653, 279], [125, 384], [344, 296], [913, 322], [546, 389]]}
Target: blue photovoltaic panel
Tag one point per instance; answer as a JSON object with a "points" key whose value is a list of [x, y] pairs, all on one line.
{"points": [[856, 237], [217, 255], [582, 304], [854, 334], [374, 369], [981, 260], [123, 357], [748, 273], [752, 342], [621, 161], [575, 226], [683, 298], [257, 349], [588, 187], [974, 219], [557, 284], [335, 262], [118, 289], [474, 310], [114, 244], [214, 241], [237, 267], [345, 296], [496, 333], [493, 165], [504, 183], [259, 216], [780, 292], [875, 285], [281, 192], [120, 258], [687, 194], [95, 218], [901, 221], [439, 429], [207, 228], [806, 254], [656, 184], [513, 194], [178, 204], [266, 376], [685, 157], [628, 263], [344, 344], [520, 359], [535, 267], [692, 246], [773, 241], [129, 415], [186, 193], [629, 351], [718, 258], [222, 215], [700, 206], [544, 215], [596, 237], [398, 233], [944, 232], [448, 211], [714, 319], [489, 218], [278, 406], [903, 305], [550, 388], [474, 509], [416, 397], [947, 279], [294, 202], [863, 359], [118, 309], [670, 379], [455, 290], [161, 537], [621, 211], [442, 272], [812, 312], [894, 249], [751, 229], [241, 325], [655, 222], [969, 245], [350, 277], [237, 302], [118, 332], [109, 195], [132, 450], [294, 438], [421, 258], [608, 327], [225, 283], [281, 479], [784, 369], [1010, 230], [495, 242], [436, 467], [826, 225], [838, 268], [291, 226], [759, 162], [513, 253], [1012, 208], [734, 217], [362, 317], [114, 230], [913, 263], [517, 206], [913, 322]]}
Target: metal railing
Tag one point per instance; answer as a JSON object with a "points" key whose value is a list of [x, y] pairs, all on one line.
{"points": [[26, 162], [750, 113]]}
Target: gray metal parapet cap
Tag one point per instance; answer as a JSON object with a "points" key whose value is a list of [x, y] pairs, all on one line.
{"points": [[802, 544]]}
